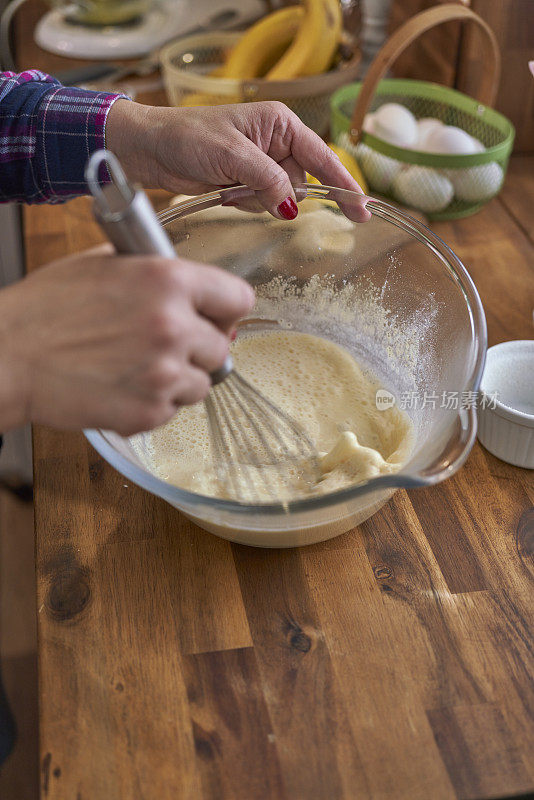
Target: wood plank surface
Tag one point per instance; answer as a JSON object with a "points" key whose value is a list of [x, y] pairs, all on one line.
{"points": [[393, 661], [518, 194], [455, 55], [513, 24]]}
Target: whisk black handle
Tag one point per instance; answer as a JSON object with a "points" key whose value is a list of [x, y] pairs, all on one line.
{"points": [[128, 219]]}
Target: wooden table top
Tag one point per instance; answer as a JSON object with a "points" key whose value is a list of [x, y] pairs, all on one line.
{"points": [[394, 661]]}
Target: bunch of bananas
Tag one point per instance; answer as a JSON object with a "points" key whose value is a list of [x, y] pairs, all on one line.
{"points": [[292, 42], [289, 43]]}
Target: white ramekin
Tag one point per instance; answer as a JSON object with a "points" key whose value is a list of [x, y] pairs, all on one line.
{"points": [[506, 408]]}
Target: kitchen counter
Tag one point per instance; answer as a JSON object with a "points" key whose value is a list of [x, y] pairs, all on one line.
{"points": [[395, 661]]}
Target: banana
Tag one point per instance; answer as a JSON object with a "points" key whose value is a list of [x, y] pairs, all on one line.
{"points": [[331, 37], [299, 40], [314, 44], [263, 43], [350, 164]]}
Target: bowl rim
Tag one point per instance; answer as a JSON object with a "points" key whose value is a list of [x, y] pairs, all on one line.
{"points": [[467, 417]]}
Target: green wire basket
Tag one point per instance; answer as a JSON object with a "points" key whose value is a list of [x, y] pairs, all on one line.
{"points": [[441, 186]]}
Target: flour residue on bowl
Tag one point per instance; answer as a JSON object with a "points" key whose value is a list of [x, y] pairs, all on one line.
{"points": [[354, 314], [322, 387]]}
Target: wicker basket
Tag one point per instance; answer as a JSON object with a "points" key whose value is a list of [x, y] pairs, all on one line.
{"points": [[186, 65], [476, 177]]}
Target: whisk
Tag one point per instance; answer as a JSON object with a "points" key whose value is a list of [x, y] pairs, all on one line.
{"points": [[255, 444]]}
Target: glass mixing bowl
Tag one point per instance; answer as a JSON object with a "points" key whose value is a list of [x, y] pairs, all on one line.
{"points": [[389, 291]]}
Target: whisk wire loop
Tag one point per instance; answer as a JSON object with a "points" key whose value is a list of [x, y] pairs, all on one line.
{"points": [[236, 453], [288, 431], [253, 441], [247, 446]]}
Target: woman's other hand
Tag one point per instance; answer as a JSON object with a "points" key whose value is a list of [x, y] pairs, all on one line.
{"points": [[194, 150]]}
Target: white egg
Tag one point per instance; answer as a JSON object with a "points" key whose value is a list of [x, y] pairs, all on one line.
{"points": [[368, 123], [360, 151], [423, 188], [379, 170], [424, 126], [449, 140], [355, 150], [395, 124], [478, 144], [476, 184]]}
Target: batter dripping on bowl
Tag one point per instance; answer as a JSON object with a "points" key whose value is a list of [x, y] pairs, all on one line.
{"points": [[321, 386]]}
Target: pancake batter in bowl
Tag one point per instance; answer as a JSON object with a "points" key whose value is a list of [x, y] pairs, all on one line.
{"points": [[317, 383]]}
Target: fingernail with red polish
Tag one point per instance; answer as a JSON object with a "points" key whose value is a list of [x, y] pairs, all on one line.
{"points": [[233, 335], [288, 209]]}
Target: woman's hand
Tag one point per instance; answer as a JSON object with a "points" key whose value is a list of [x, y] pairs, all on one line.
{"points": [[118, 342], [193, 150]]}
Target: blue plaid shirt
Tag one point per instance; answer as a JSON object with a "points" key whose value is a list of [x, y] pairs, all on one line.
{"points": [[47, 133]]}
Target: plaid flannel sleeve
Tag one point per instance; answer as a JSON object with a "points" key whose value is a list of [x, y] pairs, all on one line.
{"points": [[47, 133]]}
